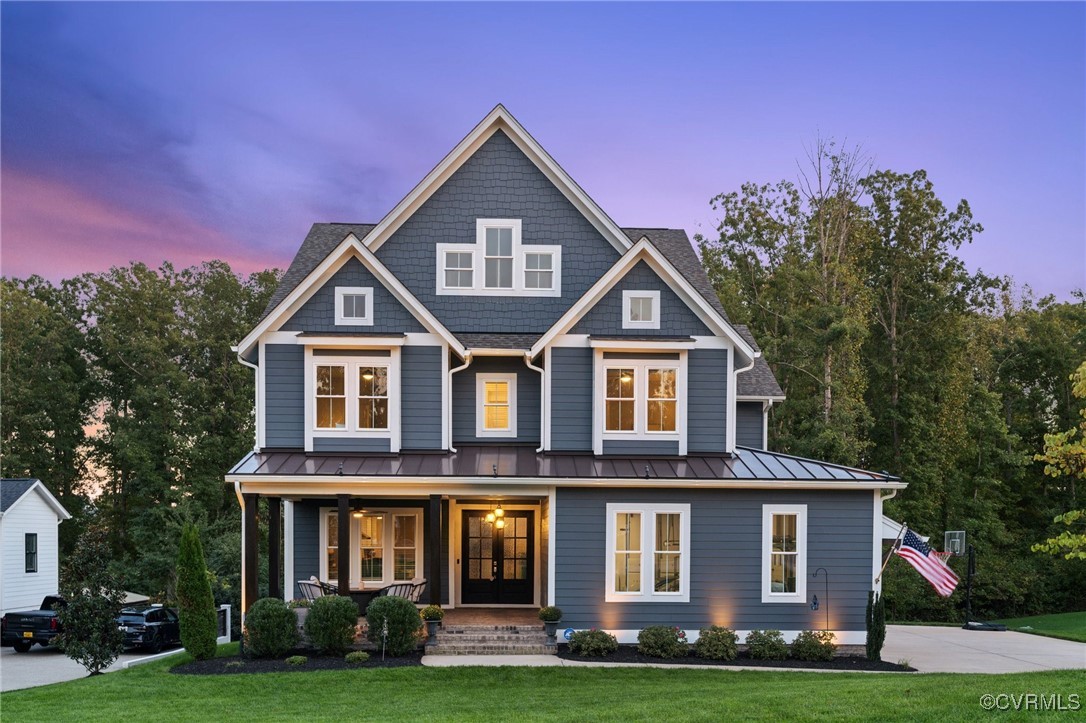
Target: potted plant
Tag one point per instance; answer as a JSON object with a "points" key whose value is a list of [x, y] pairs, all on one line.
{"points": [[433, 615], [551, 616]]}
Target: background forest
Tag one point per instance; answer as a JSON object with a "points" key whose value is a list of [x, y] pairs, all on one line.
{"points": [[120, 391]]}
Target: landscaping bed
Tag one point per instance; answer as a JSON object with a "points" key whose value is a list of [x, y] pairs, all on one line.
{"points": [[629, 654], [237, 664]]}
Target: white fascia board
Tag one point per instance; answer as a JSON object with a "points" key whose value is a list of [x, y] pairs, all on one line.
{"points": [[43, 492], [758, 398], [358, 342], [498, 119], [644, 250], [640, 345], [482, 351], [348, 248]]}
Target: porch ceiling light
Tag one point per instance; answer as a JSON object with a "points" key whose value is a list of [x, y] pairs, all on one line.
{"points": [[625, 378], [358, 512], [367, 375]]}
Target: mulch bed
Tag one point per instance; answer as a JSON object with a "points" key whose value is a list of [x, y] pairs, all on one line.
{"points": [[236, 664], [629, 654]]}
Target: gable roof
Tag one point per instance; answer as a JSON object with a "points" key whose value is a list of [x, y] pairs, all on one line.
{"points": [[758, 382], [14, 489], [675, 245]]}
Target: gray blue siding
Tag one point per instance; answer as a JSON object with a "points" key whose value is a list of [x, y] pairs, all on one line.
{"points": [[284, 396], [749, 427], [640, 447], [318, 314], [498, 181], [420, 397], [307, 562], [725, 560], [707, 400], [352, 444], [676, 318], [464, 400], [571, 399]]}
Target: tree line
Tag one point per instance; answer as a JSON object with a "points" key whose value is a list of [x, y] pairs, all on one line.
{"points": [[895, 357]]}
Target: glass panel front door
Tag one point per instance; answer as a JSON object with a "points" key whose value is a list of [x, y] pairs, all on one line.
{"points": [[497, 563]]}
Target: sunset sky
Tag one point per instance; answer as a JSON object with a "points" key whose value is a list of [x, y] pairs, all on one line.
{"points": [[185, 132]]}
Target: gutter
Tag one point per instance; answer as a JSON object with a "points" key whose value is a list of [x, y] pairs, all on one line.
{"points": [[468, 358], [542, 398]]}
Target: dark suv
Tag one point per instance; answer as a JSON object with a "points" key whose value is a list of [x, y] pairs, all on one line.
{"points": [[150, 627]]}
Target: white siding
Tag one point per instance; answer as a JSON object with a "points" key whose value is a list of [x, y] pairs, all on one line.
{"points": [[20, 590]]}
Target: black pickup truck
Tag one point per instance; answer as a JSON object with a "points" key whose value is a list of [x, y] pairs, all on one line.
{"points": [[22, 630]]}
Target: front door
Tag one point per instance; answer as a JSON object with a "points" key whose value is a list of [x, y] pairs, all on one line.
{"points": [[497, 562]]}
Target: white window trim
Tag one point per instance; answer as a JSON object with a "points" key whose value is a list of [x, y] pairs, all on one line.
{"points": [[478, 252], [352, 363], [480, 396], [367, 292], [627, 297], [800, 595], [640, 367], [648, 557], [388, 570]]}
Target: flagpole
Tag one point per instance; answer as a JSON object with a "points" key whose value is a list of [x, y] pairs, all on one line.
{"points": [[890, 554]]}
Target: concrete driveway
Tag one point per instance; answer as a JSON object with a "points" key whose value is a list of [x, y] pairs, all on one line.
{"points": [[932, 649], [42, 666]]}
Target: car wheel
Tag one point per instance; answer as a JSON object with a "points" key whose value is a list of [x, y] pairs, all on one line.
{"points": [[22, 646], [155, 644]]}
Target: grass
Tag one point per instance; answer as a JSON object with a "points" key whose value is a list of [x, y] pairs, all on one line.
{"points": [[1067, 626], [150, 692]]}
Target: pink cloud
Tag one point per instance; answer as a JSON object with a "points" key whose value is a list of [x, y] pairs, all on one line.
{"points": [[57, 230]]}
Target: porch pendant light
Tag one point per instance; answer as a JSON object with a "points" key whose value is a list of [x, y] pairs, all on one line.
{"points": [[498, 511], [500, 524], [490, 517]]}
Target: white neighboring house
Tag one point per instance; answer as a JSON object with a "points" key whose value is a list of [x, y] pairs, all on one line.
{"points": [[29, 565]]}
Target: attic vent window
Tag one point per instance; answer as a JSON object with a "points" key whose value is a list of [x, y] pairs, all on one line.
{"points": [[354, 306], [640, 309]]}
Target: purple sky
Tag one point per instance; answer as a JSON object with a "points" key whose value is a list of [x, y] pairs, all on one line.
{"points": [[202, 130]]}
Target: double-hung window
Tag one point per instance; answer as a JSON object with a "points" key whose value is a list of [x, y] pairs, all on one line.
{"points": [[388, 543], [784, 553], [648, 552], [641, 398], [498, 257], [331, 393], [30, 547], [496, 405], [352, 396], [372, 397]]}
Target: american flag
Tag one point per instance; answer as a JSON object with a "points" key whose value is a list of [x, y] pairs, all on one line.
{"points": [[927, 563]]}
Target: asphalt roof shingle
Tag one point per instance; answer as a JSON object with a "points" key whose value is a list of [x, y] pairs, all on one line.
{"points": [[12, 489]]}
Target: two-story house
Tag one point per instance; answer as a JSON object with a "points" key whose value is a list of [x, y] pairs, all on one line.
{"points": [[500, 391]]}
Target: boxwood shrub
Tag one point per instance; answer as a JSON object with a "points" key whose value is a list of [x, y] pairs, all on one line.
{"points": [[403, 621], [662, 641], [330, 623], [271, 628], [716, 643], [813, 645], [767, 645], [593, 643]]}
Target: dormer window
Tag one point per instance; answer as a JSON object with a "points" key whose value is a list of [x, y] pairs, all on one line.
{"points": [[354, 306], [640, 309], [499, 264]]}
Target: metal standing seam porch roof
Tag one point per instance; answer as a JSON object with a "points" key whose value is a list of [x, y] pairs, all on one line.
{"points": [[523, 462]]}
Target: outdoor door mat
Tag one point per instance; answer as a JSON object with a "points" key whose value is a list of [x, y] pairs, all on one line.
{"points": [[237, 664], [629, 654]]}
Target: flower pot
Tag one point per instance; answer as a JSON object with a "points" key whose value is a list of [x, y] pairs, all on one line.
{"points": [[551, 628], [431, 631]]}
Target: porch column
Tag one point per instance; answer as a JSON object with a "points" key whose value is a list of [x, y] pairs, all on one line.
{"points": [[344, 550], [433, 545], [275, 524], [250, 590]]}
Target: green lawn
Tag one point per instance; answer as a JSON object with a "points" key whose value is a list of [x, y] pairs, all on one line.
{"points": [[149, 692], [1069, 626]]}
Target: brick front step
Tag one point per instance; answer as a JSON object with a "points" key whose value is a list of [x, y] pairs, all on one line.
{"points": [[491, 640], [490, 650]]}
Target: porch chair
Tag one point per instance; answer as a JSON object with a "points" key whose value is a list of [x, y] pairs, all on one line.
{"points": [[416, 591], [310, 590]]}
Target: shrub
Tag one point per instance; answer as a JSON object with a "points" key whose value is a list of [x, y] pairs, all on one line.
{"points": [[550, 614], [593, 643], [716, 643], [876, 625], [94, 594], [358, 656], [432, 612], [813, 645], [331, 622], [403, 623], [297, 660], [767, 645], [661, 641], [271, 628], [196, 605]]}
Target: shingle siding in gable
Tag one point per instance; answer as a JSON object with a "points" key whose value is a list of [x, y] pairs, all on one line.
{"points": [[284, 396], [707, 400], [318, 314], [498, 181], [420, 397], [464, 400], [676, 318], [571, 399], [749, 427]]}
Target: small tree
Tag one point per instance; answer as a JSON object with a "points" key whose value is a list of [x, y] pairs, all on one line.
{"points": [[197, 606], [94, 595], [876, 625]]}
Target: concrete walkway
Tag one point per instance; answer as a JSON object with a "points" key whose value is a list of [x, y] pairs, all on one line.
{"points": [[929, 649], [932, 649]]}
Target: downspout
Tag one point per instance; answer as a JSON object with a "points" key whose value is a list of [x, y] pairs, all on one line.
{"points": [[735, 391], [542, 397], [467, 363], [256, 395]]}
